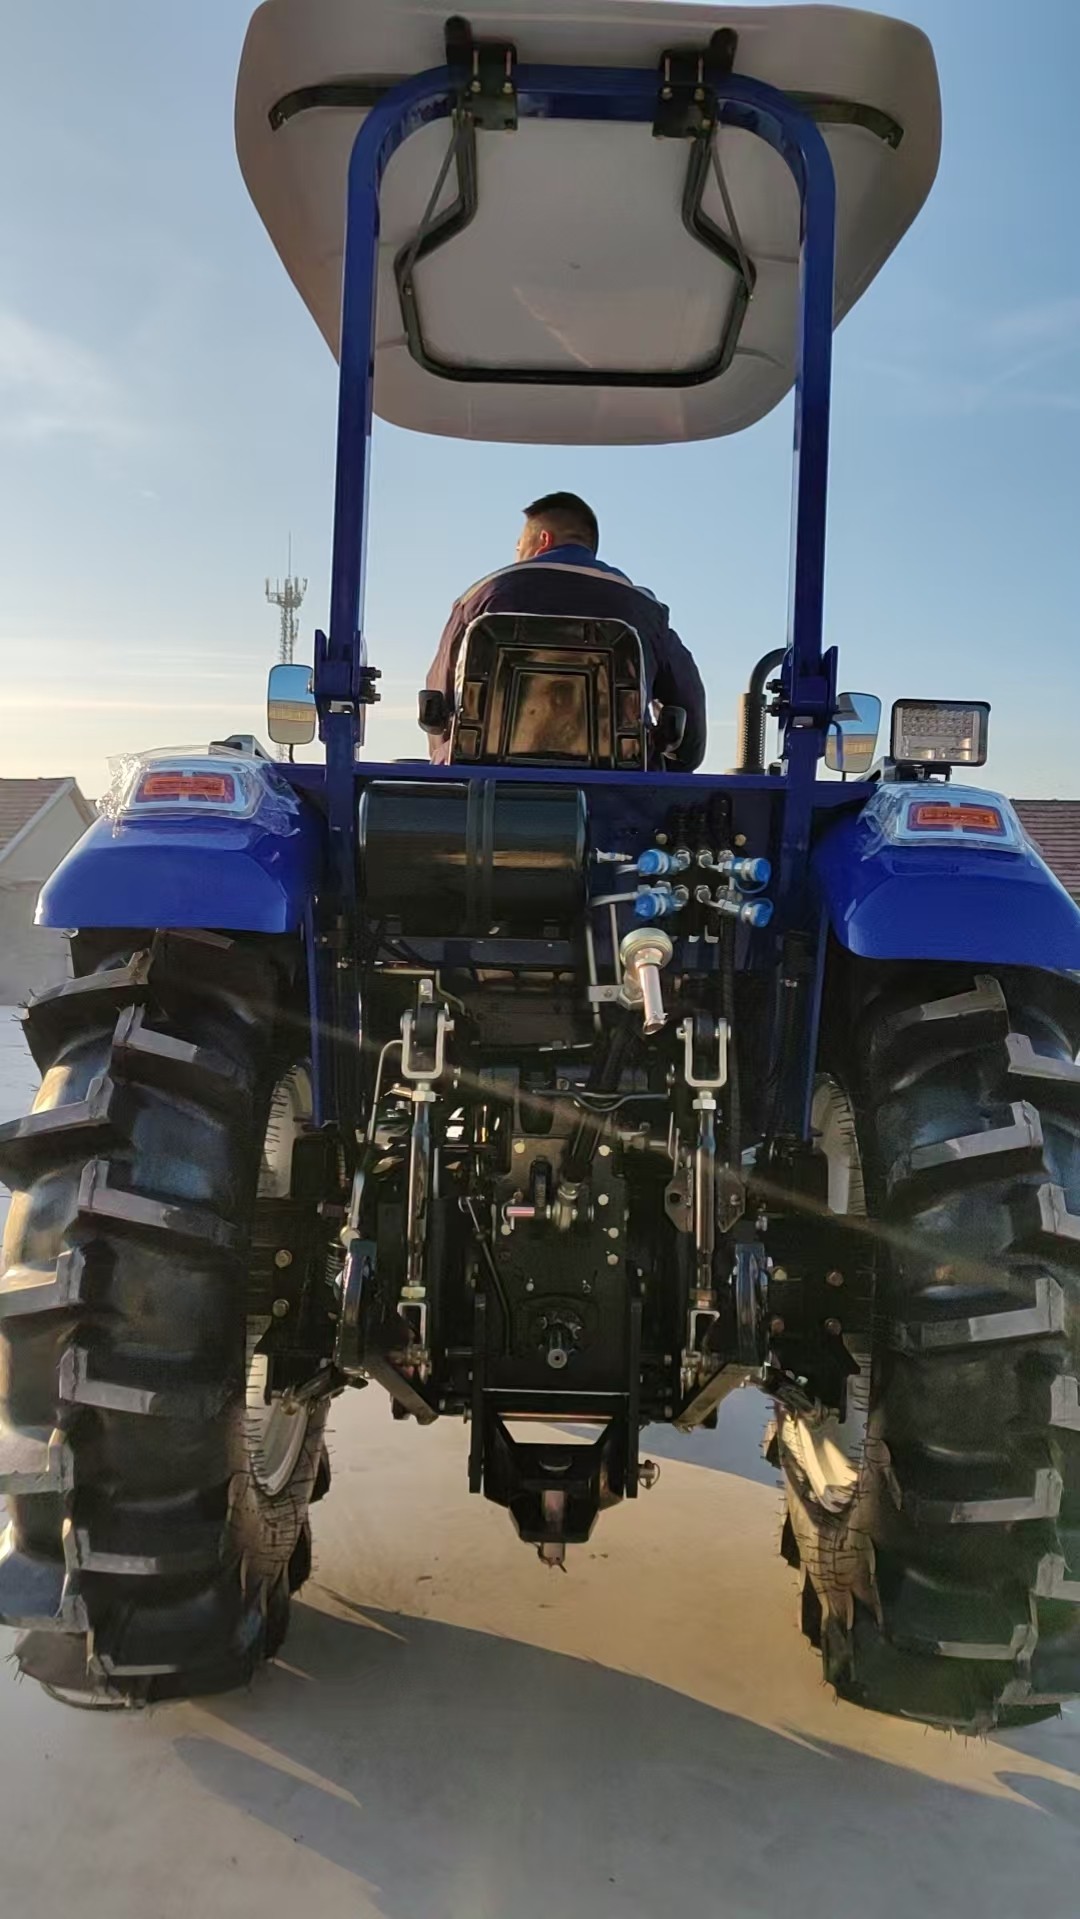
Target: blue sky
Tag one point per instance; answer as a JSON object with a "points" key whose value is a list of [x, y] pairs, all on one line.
{"points": [[167, 417]]}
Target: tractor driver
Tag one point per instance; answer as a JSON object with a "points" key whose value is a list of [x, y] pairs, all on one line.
{"points": [[557, 571]]}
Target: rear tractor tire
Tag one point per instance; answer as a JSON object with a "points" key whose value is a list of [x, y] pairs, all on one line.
{"points": [[937, 1523], [158, 1503]]}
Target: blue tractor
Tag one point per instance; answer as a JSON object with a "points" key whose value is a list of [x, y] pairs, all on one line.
{"points": [[549, 1087]]}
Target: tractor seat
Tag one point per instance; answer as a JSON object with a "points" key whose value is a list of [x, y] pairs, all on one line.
{"points": [[541, 689]]}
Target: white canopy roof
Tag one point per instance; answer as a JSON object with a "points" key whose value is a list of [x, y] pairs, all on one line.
{"points": [[577, 256]]}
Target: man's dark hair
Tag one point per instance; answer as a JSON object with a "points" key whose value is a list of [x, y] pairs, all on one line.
{"points": [[567, 517]]}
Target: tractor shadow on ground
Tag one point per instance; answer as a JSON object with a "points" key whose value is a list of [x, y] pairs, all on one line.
{"points": [[462, 1776], [734, 1446]]}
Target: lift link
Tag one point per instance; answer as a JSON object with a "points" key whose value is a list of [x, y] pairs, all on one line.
{"points": [[485, 71], [424, 1030], [705, 1068]]}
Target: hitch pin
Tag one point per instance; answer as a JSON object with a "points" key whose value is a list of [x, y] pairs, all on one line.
{"points": [[642, 954]]}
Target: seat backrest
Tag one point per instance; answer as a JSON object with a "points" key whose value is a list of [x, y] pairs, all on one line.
{"points": [[541, 689]]}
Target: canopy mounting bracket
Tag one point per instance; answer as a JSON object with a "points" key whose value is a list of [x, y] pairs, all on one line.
{"points": [[686, 100], [484, 70]]}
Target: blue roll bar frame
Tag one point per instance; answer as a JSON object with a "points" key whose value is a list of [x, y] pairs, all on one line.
{"points": [[342, 674]]}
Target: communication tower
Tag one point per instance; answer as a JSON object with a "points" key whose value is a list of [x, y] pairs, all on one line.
{"points": [[287, 595]]}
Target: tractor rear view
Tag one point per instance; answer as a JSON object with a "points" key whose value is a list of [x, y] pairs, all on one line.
{"points": [[548, 1087]]}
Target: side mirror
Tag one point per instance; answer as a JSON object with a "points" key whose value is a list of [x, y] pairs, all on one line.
{"points": [[290, 706], [851, 741], [433, 712]]}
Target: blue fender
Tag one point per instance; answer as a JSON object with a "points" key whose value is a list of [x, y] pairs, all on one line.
{"points": [[892, 893], [253, 874]]}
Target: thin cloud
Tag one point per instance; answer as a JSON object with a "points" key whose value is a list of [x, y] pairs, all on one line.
{"points": [[1041, 323], [934, 390], [47, 702], [1007, 363], [52, 387], [252, 675]]}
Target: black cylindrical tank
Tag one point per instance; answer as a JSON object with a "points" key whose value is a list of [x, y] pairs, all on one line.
{"points": [[456, 858]]}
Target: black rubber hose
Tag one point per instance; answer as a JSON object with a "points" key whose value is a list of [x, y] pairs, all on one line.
{"points": [[792, 988], [752, 714], [732, 1108], [604, 1078]]}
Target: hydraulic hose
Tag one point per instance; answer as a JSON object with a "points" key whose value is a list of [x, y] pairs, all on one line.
{"points": [[732, 1108], [604, 1078]]}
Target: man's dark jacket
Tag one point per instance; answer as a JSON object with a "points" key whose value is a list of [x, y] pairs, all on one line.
{"points": [[571, 580]]}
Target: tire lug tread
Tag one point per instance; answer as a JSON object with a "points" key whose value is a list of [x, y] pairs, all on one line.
{"points": [[971, 1535], [120, 1565]]}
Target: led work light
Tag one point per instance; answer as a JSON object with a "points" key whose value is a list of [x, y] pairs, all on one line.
{"points": [[940, 732]]}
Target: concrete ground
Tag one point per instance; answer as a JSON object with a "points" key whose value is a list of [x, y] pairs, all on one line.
{"points": [[455, 1733]]}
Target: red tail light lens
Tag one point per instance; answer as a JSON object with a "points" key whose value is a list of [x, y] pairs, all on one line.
{"points": [[176, 785], [929, 816]]}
